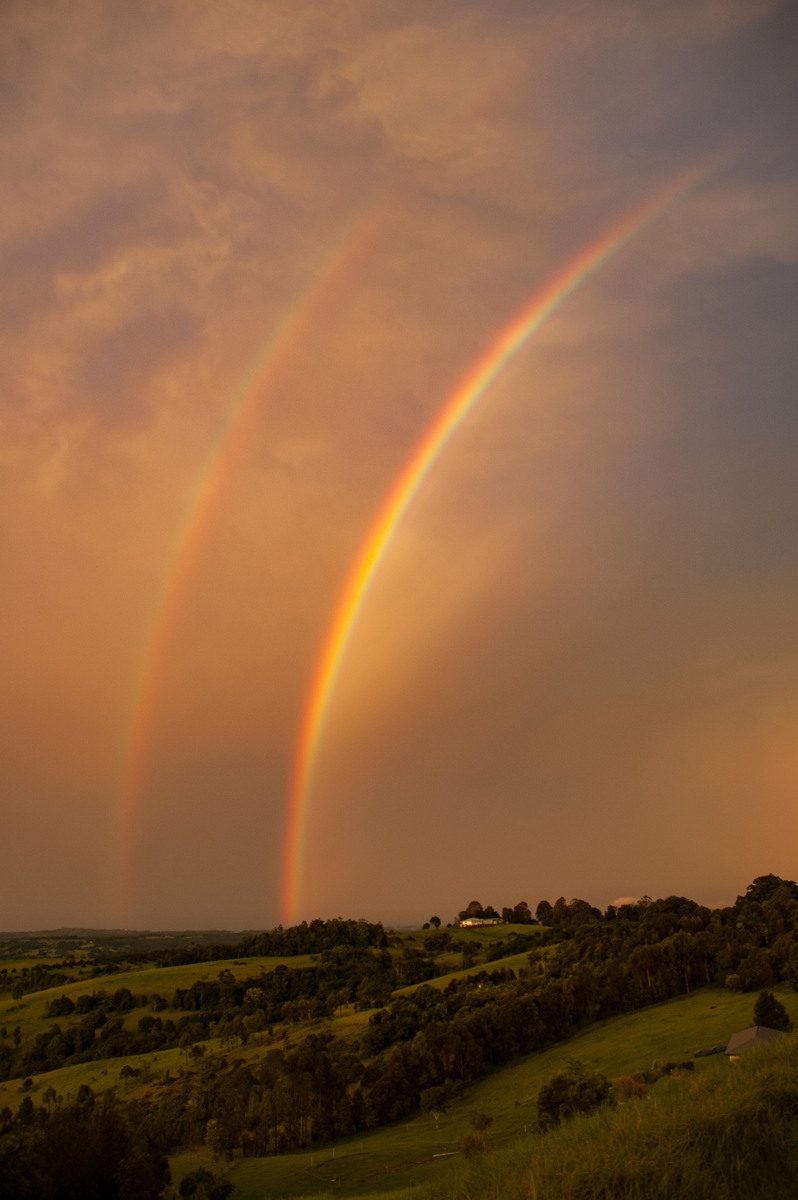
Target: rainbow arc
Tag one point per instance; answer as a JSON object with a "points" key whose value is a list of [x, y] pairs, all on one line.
{"points": [[474, 386]]}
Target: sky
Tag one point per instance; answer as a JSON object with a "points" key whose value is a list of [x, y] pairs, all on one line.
{"points": [[250, 252]]}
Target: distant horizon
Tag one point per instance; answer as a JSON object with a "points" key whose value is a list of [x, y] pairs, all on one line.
{"points": [[399, 924]]}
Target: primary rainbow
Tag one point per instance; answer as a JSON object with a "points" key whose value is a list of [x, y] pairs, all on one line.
{"points": [[456, 408]]}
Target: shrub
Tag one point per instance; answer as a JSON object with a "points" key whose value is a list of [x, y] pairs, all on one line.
{"points": [[572, 1091], [628, 1088]]}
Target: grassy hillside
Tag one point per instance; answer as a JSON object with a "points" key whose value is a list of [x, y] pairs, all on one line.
{"points": [[28, 1012], [729, 1133], [394, 1159]]}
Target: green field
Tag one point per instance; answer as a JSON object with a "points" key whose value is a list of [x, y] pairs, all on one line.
{"points": [[28, 1012]]}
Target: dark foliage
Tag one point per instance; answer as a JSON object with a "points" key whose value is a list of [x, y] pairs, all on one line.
{"points": [[88, 1150], [770, 1012], [574, 1090]]}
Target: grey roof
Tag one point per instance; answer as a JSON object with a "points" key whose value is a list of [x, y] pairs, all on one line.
{"points": [[748, 1039]]}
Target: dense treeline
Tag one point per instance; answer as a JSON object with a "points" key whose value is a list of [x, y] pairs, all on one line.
{"points": [[91, 1149], [308, 938]]}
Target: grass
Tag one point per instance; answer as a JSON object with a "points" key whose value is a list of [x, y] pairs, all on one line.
{"points": [[399, 1160], [29, 1011], [29, 1014], [27, 963], [727, 1134], [99, 1075], [515, 961]]}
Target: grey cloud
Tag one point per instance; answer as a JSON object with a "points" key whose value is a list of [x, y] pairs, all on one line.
{"points": [[116, 376], [79, 244]]}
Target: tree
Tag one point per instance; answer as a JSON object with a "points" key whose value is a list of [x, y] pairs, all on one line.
{"points": [[792, 965], [756, 971], [435, 922], [770, 1012], [476, 1142], [572, 1091], [763, 888], [62, 1007], [122, 1000], [204, 1185], [435, 1100]]}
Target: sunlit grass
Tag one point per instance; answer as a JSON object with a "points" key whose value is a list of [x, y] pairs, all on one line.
{"points": [[29, 1011], [727, 1133]]}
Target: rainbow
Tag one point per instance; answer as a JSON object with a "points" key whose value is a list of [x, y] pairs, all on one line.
{"points": [[356, 238], [480, 377], [288, 334]]}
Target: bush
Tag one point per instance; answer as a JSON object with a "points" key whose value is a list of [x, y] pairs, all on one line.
{"points": [[572, 1091], [62, 1007], [628, 1088]]}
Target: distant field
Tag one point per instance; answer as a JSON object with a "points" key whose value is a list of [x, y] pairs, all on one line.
{"points": [[77, 944], [23, 964], [164, 980], [484, 937], [483, 933], [29, 1011], [99, 1075], [515, 962]]}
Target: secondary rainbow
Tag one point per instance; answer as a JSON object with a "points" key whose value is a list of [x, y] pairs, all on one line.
{"points": [[482, 374], [286, 337]]}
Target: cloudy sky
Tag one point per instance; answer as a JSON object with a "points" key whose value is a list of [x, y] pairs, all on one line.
{"points": [[249, 250]]}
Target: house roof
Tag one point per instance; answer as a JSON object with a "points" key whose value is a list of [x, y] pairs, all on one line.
{"points": [[748, 1039]]}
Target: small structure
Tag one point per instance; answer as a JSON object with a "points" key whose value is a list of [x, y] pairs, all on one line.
{"points": [[470, 922], [749, 1039]]}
